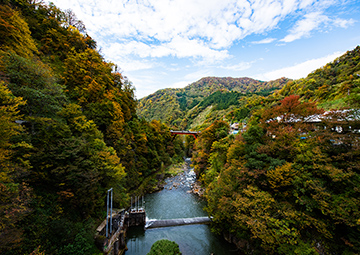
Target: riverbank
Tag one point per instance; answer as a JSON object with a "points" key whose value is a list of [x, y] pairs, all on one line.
{"points": [[175, 169], [179, 170], [197, 189], [156, 181]]}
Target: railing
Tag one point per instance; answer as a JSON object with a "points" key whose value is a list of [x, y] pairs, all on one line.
{"points": [[185, 132], [110, 237]]}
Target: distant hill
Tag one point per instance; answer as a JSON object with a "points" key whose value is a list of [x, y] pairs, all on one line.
{"points": [[180, 107], [333, 86]]}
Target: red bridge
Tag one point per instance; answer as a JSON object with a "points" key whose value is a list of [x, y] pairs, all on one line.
{"points": [[184, 132]]}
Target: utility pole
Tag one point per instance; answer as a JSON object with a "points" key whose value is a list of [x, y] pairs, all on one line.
{"points": [[109, 200]]}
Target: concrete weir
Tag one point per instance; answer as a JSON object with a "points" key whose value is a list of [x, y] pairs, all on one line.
{"points": [[177, 222], [113, 243]]}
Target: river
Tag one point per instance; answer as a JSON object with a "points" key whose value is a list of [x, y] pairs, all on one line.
{"points": [[175, 201]]}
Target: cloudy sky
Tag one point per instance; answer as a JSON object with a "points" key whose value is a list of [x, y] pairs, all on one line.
{"points": [[172, 43]]}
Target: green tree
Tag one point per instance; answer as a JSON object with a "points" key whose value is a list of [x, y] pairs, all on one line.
{"points": [[164, 246], [14, 194], [36, 83], [215, 132]]}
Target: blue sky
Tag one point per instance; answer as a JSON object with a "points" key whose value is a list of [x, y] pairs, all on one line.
{"points": [[172, 43]]}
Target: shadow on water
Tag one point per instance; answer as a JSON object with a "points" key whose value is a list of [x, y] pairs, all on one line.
{"points": [[175, 201]]}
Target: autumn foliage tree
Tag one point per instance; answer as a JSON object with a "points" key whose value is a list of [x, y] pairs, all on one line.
{"points": [[287, 185], [14, 194], [69, 132], [286, 123], [15, 35]]}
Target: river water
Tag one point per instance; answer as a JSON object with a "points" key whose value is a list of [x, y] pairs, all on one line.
{"points": [[175, 201]]}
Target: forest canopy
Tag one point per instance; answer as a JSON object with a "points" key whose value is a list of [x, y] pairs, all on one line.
{"points": [[288, 182], [285, 185], [69, 132]]}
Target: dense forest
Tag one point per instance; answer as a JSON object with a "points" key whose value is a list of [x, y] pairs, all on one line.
{"points": [[332, 85], [288, 183], [68, 132], [204, 101], [201, 103], [71, 128]]}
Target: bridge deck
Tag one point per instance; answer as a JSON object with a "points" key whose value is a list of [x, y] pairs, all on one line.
{"points": [[185, 132], [177, 222]]}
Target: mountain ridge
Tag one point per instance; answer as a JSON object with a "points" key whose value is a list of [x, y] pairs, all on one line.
{"points": [[178, 101], [333, 86]]}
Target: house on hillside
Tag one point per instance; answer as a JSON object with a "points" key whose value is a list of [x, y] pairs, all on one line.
{"points": [[234, 128], [342, 122]]}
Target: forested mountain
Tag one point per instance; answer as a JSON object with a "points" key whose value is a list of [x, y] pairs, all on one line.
{"points": [[184, 104], [332, 85], [68, 133], [212, 98], [288, 183]]}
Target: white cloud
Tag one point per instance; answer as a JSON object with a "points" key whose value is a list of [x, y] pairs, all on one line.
{"points": [[299, 70], [194, 76], [343, 22], [238, 67], [212, 25], [115, 54], [305, 3], [145, 85], [264, 41], [179, 47], [190, 78], [304, 26], [315, 20], [184, 47], [180, 28], [180, 84], [144, 36], [134, 65]]}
